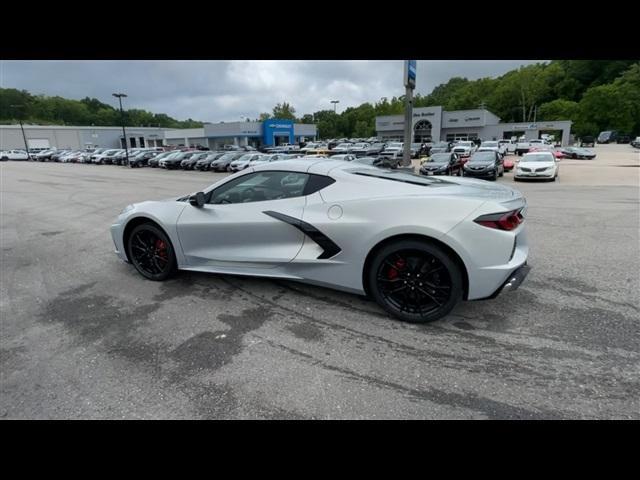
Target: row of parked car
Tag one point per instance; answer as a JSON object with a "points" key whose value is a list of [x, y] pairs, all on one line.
{"points": [[231, 160]]}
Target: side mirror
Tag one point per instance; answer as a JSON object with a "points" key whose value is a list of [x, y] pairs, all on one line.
{"points": [[197, 199]]}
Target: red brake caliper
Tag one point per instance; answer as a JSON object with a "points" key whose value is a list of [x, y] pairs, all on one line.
{"points": [[162, 248], [393, 272]]}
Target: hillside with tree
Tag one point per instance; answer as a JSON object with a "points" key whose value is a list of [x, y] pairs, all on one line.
{"points": [[43, 110], [595, 94]]}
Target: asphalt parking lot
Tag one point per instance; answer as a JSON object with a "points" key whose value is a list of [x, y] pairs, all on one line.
{"points": [[85, 336]]}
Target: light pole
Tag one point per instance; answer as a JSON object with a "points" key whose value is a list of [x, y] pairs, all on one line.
{"points": [[335, 102], [24, 137], [124, 133]]}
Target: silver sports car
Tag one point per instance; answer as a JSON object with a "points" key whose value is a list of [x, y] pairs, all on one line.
{"points": [[417, 245]]}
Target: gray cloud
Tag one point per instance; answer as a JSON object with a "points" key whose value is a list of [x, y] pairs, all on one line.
{"points": [[226, 90]]}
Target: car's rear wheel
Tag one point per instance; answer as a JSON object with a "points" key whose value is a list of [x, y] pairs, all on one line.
{"points": [[151, 252], [415, 281]]}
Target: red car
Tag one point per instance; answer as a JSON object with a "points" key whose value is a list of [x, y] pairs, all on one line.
{"points": [[556, 153], [508, 164]]}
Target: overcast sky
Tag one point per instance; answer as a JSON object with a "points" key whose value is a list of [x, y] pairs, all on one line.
{"points": [[213, 91]]}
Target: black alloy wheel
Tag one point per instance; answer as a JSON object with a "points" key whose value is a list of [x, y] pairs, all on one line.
{"points": [[415, 281], [151, 252]]}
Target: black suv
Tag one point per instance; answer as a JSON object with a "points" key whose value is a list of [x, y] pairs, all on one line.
{"points": [[587, 141]]}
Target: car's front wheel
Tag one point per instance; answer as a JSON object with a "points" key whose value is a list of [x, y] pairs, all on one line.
{"points": [[415, 281], [151, 252]]}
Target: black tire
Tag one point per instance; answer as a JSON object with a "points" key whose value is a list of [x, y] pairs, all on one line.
{"points": [[574, 156], [495, 176], [502, 173], [439, 270], [158, 262]]}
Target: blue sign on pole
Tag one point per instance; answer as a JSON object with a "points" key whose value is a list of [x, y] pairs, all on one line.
{"points": [[410, 68]]}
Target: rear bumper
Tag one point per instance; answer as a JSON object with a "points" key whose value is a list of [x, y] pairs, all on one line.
{"points": [[513, 281]]}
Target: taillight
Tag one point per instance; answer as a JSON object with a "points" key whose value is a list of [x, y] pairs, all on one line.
{"points": [[501, 221]]}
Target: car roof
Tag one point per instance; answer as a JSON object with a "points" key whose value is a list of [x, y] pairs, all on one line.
{"points": [[540, 152], [320, 166]]}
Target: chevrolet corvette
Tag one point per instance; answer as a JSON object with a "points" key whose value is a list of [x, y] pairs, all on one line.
{"points": [[416, 245]]}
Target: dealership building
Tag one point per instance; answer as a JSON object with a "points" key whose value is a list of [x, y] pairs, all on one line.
{"points": [[270, 132], [435, 124], [212, 135], [67, 137]]}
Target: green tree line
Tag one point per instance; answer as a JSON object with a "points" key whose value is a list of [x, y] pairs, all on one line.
{"points": [[43, 110], [595, 94]]}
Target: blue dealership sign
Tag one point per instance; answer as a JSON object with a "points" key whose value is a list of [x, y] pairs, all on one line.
{"points": [[410, 71], [275, 127]]}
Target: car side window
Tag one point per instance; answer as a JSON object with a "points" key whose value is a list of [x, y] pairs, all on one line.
{"points": [[260, 186]]}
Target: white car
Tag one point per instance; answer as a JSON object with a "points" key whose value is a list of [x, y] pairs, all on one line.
{"points": [[493, 146], [14, 155], [537, 165], [243, 162], [105, 157], [341, 225], [464, 149], [509, 146]]}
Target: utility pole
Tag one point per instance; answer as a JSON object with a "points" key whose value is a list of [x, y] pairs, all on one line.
{"points": [[124, 133], [24, 137], [410, 84]]}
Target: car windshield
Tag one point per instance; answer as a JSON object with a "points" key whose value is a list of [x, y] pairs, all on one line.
{"points": [[489, 144], [344, 145], [441, 145], [394, 145], [227, 156], [482, 157], [464, 144], [440, 158], [537, 157]]}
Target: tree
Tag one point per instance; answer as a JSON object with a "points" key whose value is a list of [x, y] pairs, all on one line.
{"points": [[558, 110], [363, 129], [307, 118], [264, 116], [284, 111]]}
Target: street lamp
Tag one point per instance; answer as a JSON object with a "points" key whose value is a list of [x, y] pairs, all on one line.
{"points": [[124, 133], [24, 137], [335, 102]]}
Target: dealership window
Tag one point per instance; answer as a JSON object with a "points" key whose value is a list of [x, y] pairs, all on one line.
{"points": [[132, 142], [455, 137], [142, 142], [422, 131]]}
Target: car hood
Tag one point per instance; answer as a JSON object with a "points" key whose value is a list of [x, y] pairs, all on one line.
{"points": [[480, 189], [480, 164], [435, 164], [535, 164]]}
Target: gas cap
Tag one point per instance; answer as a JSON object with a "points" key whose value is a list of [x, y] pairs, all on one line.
{"points": [[334, 212]]}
